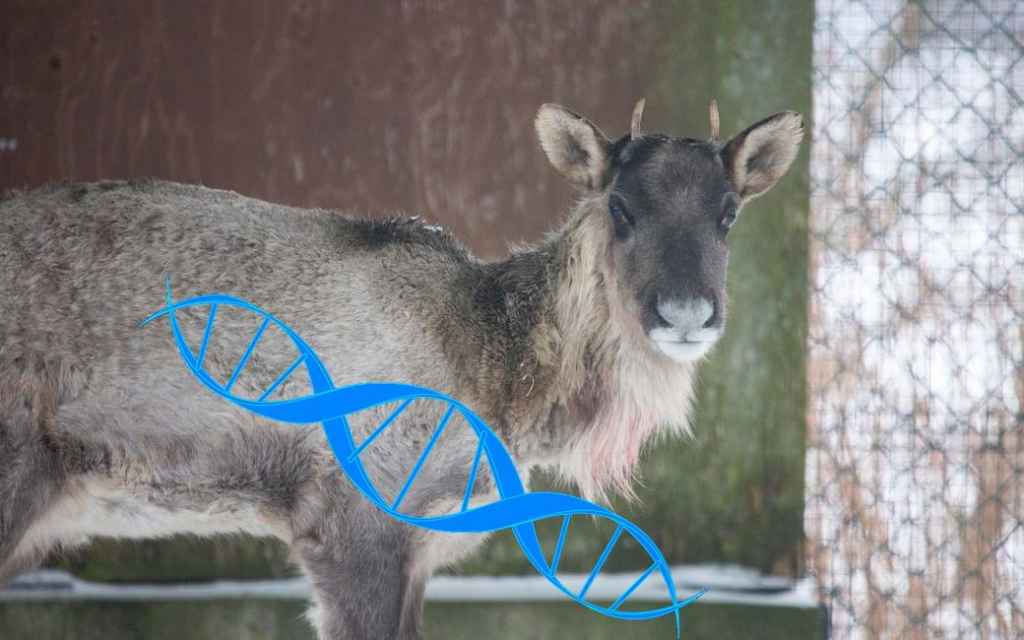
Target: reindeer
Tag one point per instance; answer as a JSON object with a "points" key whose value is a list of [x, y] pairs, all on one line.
{"points": [[575, 352]]}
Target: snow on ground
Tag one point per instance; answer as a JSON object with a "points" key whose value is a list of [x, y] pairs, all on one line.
{"points": [[728, 584]]}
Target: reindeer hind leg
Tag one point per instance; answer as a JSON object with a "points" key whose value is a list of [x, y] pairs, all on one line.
{"points": [[31, 480]]}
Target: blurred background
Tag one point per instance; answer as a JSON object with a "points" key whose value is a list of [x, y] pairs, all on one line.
{"points": [[858, 461]]}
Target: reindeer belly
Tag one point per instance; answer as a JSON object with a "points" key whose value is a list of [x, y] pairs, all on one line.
{"points": [[108, 508], [149, 457]]}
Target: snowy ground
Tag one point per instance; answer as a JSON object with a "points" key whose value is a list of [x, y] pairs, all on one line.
{"points": [[728, 584]]}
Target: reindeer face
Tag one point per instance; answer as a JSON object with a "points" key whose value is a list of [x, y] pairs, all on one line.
{"points": [[671, 203], [671, 207]]}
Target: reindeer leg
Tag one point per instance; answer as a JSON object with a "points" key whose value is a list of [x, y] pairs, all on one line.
{"points": [[31, 479], [360, 566]]}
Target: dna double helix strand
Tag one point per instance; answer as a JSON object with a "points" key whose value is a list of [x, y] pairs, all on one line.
{"points": [[515, 508]]}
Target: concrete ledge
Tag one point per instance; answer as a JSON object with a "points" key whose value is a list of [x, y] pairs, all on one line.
{"points": [[266, 619], [728, 584]]}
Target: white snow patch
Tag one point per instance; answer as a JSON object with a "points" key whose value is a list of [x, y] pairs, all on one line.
{"points": [[728, 584]]}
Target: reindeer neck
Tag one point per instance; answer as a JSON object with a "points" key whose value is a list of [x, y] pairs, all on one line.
{"points": [[588, 390], [549, 311]]}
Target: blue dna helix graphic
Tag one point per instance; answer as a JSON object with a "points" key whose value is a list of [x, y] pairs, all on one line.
{"points": [[515, 508]]}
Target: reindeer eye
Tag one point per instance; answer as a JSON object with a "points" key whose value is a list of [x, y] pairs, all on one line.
{"points": [[617, 208], [730, 207]]}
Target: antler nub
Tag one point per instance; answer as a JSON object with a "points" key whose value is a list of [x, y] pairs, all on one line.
{"points": [[715, 121], [638, 114]]}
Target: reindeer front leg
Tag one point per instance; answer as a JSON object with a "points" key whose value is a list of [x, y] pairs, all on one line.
{"points": [[360, 565]]}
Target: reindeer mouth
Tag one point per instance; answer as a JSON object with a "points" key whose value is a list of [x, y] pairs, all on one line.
{"points": [[690, 347]]}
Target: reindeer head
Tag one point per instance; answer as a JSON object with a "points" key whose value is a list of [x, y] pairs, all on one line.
{"points": [[670, 203]]}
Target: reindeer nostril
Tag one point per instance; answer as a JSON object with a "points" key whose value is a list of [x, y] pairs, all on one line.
{"points": [[713, 319]]}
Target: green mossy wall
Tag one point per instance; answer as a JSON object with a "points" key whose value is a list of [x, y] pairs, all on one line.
{"points": [[735, 492]]}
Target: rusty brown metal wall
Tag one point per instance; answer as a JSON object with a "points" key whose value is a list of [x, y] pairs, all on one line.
{"points": [[370, 106]]}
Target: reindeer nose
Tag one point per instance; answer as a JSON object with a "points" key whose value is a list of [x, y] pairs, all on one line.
{"points": [[688, 315]]}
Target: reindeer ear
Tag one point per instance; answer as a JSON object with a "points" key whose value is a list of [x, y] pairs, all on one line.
{"points": [[574, 146], [757, 157]]}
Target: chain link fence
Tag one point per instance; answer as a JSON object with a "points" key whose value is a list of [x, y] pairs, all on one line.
{"points": [[915, 465]]}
